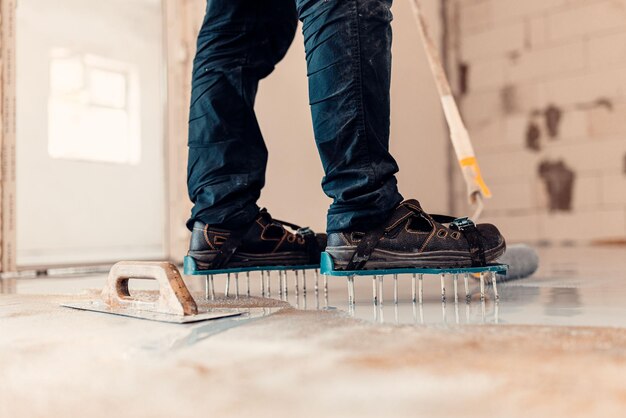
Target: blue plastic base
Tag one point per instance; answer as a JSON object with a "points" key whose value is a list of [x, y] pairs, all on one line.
{"points": [[191, 269], [327, 267]]}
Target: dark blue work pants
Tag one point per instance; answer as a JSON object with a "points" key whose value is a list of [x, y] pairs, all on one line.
{"points": [[348, 53]]}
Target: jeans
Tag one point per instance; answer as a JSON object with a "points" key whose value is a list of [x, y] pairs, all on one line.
{"points": [[348, 54]]}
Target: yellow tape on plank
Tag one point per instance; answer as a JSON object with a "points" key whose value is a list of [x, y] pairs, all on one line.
{"points": [[472, 163]]}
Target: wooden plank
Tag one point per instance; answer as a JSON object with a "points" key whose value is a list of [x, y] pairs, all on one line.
{"points": [[8, 139]]}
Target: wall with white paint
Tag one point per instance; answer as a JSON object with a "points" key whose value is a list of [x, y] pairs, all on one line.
{"points": [[75, 210]]}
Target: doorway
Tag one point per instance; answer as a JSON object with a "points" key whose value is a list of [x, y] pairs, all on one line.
{"points": [[90, 132]]}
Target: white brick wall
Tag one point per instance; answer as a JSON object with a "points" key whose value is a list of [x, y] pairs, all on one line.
{"points": [[524, 56], [608, 122], [494, 42], [545, 62], [588, 19], [607, 50]]}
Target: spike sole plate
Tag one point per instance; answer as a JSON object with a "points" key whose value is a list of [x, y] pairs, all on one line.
{"points": [[327, 267], [190, 268]]}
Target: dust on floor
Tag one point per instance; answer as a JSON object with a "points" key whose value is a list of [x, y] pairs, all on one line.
{"points": [[56, 362]]}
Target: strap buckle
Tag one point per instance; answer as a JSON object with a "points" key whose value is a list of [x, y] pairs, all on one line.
{"points": [[305, 231], [462, 224]]}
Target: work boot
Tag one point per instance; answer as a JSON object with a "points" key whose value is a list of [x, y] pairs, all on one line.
{"points": [[264, 242], [411, 238]]}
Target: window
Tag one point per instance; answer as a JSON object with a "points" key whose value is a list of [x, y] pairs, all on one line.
{"points": [[93, 112]]}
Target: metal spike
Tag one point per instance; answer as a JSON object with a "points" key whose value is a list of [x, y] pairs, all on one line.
{"points": [[207, 287], [304, 299], [375, 306], [326, 290], [396, 313], [468, 298], [212, 279], [495, 285], [248, 282], [317, 301], [444, 314], [285, 284], [381, 297], [237, 285], [456, 288], [326, 286], [443, 288], [269, 283], [482, 287], [297, 288], [483, 310], [374, 290], [421, 288], [280, 284], [227, 289], [304, 283], [351, 299], [497, 313], [317, 280], [414, 288], [262, 283], [456, 312], [395, 289]]}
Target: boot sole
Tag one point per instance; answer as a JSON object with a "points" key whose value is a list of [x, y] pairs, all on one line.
{"points": [[382, 259], [204, 260]]}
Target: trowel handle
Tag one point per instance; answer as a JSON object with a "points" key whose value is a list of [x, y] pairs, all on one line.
{"points": [[174, 297]]}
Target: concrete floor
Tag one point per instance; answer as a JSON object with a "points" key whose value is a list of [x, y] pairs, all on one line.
{"points": [[555, 345]]}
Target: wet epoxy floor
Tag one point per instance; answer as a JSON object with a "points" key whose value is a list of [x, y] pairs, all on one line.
{"points": [[285, 362], [574, 286]]}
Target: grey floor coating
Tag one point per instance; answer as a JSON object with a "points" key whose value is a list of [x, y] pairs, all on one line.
{"points": [[575, 286], [275, 362]]}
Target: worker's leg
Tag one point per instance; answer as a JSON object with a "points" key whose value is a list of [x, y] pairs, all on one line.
{"points": [[239, 44], [348, 47], [348, 52]]}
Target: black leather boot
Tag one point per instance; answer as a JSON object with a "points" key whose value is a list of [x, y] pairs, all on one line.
{"points": [[413, 238], [264, 242]]}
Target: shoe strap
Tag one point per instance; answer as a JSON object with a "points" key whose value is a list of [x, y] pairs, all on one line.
{"points": [[474, 239], [290, 225], [230, 246], [312, 246], [235, 239], [472, 235], [465, 226], [368, 243], [365, 248]]}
